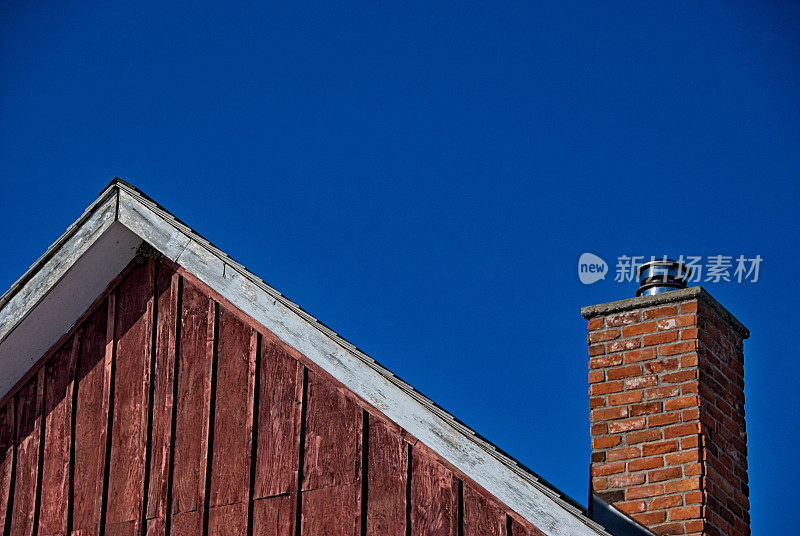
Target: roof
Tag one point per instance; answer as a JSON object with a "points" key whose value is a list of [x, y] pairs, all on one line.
{"points": [[56, 290]]}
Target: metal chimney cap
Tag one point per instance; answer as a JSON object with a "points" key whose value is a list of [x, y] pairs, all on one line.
{"points": [[662, 275]]}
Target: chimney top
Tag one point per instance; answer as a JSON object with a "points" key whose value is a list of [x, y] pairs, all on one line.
{"points": [[664, 275], [690, 293]]}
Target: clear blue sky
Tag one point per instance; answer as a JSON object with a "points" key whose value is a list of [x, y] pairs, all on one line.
{"points": [[423, 177]]}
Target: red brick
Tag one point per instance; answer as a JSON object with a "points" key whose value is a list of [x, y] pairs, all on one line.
{"points": [[625, 398], [645, 463], [690, 414], [624, 372], [689, 361], [627, 425], [605, 388], [605, 414], [625, 453], [680, 376], [681, 403], [660, 338], [693, 497], [677, 348], [690, 442], [687, 484], [650, 517], [608, 469], [668, 529], [606, 442], [642, 381], [631, 507], [596, 376], [596, 402], [638, 329], [605, 361], [689, 333], [640, 492], [665, 502], [621, 346], [668, 473], [689, 307], [664, 418], [677, 322], [682, 430], [595, 324], [603, 336], [687, 512], [659, 448], [662, 392], [696, 526], [667, 323], [597, 349], [655, 367], [693, 469], [644, 354], [684, 456], [623, 319], [598, 429], [642, 436], [644, 409], [624, 481], [599, 483], [671, 310]]}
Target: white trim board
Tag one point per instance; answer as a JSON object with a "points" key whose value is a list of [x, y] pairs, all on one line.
{"points": [[100, 246]]}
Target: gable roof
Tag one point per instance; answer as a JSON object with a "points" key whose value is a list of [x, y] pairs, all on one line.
{"points": [[50, 297]]}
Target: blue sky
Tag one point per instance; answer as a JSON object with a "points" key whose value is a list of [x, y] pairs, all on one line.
{"points": [[423, 177]]}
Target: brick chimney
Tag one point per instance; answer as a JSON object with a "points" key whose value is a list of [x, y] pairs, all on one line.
{"points": [[666, 393]]}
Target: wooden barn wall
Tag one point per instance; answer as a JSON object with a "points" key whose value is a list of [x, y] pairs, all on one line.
{"points": [[167, 412]]}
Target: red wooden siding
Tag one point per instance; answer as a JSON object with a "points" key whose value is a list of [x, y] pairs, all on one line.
{"points": [[60, 379], [167, 412], [90, 417], [163, 379]]}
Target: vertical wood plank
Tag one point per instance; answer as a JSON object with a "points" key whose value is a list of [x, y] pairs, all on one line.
{"points": [[6, 458], [167, 302], [230, 471], [280, 397], [333, 437], [434, 497], [90, 419], [482, 517], [332, 511], [275, 516], [59, 378], [133, 334], [107, 401], [192, 411], [27, 440], [387, 475], [331, 469]]}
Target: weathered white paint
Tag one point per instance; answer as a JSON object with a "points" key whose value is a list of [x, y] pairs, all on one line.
{"points": [[104, 248], [57, 302]]}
